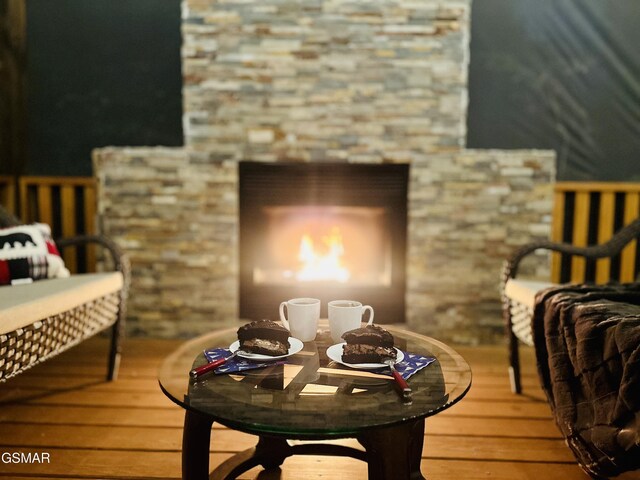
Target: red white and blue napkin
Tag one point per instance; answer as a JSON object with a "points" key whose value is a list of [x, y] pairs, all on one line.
{"points": [[411, 364], [236, 364]]}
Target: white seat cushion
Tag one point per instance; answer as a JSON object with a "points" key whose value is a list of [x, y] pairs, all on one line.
{"points": [[22, 305], [522, 297], [524, 291]]}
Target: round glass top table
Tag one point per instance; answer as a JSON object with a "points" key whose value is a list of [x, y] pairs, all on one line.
{"points": [[312, 397]]}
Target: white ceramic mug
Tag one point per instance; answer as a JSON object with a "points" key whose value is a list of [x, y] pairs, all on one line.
{"points": [[303, 318], [345, 315]]}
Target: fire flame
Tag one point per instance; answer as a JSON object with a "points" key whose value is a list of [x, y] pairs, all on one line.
{"points": [[325, 265]]}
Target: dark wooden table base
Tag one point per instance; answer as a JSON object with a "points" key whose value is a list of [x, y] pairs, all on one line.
{"points": [[392, 453]]}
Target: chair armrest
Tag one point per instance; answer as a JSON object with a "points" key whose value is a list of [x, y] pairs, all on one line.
{"points": [[608, 249]]}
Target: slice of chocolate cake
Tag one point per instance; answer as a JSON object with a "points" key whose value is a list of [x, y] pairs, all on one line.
{"points": [[369, 335], [264, 337], [370, 344]]}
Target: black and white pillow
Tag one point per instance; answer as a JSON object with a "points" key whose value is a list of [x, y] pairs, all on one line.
{"points": [[28, 252]]}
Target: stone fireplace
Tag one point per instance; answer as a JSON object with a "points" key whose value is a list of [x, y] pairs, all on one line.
{"points": [[322, 85]]}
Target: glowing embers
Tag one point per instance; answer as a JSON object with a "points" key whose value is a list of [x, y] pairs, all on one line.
{"points": [[344, 245]]}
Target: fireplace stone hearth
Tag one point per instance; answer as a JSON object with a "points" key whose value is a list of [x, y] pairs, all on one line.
{"points": [[314, 82]]}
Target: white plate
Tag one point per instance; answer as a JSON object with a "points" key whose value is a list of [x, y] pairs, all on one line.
{"points": [[334, 352], [295, 346]]}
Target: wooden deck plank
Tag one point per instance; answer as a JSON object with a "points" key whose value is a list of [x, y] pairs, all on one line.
{"points": [[57, 391], [312, 467], [97, 429], [174, 418], [225, 440], [87, 415], [83, 463], [496, 382], [493, 407]]}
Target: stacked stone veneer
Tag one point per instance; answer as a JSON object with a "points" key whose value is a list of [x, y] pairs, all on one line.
{"points": [[349, 81], [325, 79]]}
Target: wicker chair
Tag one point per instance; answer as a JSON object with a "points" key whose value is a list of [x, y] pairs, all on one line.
{"points": [[51, 334], [517, 313]]}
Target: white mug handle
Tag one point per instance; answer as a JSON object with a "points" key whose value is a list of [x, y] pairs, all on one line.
{"points": [[282, 319], [364, 309]]}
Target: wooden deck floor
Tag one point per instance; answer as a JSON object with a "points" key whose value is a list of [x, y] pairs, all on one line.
{"points": [[129, 429]]}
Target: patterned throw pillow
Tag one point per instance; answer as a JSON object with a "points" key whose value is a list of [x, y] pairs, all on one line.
{"points": [[27, 251]]}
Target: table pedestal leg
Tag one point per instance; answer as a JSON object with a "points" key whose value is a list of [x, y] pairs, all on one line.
{"points": [[196, 439], [270, 452], [394, 453]]}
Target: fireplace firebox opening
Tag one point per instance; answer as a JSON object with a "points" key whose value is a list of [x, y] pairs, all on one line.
{"points": [[329, 231], [347, 245]]}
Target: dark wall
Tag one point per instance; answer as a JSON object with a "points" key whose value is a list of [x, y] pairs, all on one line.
{"points": [[100, 72], [544, 74], [561, 75]]}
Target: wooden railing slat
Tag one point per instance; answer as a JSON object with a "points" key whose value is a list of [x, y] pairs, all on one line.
{"points": [[628, 256], [89, 195], [68, 210], [580, 235], [7, 193], [605, 232], [557, 228], [68, 218], [24, 199], [44, 208]]}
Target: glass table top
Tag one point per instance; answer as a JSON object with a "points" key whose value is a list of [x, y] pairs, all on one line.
{"points": [[311, 396]]}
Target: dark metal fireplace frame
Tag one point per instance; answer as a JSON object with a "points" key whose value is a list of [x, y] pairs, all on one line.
{"points": [[322, 184]]}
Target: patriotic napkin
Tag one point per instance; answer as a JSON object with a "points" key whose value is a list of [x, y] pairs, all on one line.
{"points": [[237, 364], [410, 364]]}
